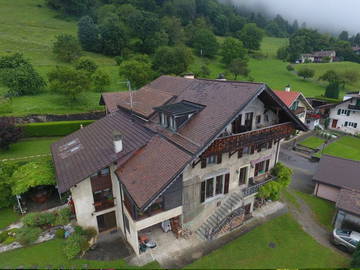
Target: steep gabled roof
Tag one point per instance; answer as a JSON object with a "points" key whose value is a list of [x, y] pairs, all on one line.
{"points": [[88, 150], [289, 97]]}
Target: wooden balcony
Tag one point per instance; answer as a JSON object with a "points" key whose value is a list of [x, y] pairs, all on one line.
{"points": [[103, 204], [258, 136], [299, 110]]}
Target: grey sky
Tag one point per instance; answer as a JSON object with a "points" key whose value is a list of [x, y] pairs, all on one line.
{"points": [[328, 15]]}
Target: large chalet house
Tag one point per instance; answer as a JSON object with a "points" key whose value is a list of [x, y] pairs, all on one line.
{"points": [[345, 116], [318, 57], [176, 151]]}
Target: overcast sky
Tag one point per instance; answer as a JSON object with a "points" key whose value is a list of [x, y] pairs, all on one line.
{"points": [[328, 15]]}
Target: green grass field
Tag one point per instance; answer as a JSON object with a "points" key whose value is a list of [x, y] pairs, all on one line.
{"points": [[345, 147], [28, 147], [7, 216], [323, 210], [29, 27], [50, 255], [293, 249], [312, 142], [321, 68]]}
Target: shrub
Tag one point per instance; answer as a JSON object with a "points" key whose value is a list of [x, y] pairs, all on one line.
{"points": [[60, 234], [101, 80], [50, 129], [63, 216], [290, 68], [38, 219], [9, 132], [66, 48], [3, 236], [76, 243], [90, 233], [87, 65], [27, 235]]}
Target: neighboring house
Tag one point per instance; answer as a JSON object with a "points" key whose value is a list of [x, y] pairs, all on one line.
{"points": [[356, 50], [337, 180], [318, 57], [345, 116], [296, 102], [174, 151]]}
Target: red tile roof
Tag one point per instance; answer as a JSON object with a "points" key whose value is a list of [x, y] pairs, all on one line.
{"points": [[287, 97]]}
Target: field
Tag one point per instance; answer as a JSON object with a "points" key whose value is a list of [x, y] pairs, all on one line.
{"points": [[28, 147], [29, 27], [346, 147], [292, 248], [7, 216], [312, 142]]}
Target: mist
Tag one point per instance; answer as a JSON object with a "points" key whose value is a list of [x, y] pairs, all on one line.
{"points": [[332, 16]]}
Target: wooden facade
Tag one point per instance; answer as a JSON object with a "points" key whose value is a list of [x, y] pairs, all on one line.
{"points": [[250, 138]]}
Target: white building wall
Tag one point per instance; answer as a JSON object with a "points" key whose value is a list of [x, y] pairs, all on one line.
{"points": [[158, 218], [342, 118]]}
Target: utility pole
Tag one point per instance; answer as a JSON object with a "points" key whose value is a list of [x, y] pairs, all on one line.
{"points": [[128, 83]]}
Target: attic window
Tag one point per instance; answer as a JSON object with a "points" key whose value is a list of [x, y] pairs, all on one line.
{"points": [[173, 116]]}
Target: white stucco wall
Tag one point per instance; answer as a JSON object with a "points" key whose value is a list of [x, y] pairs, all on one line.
{"points": [[342, 118], [158, 218]]}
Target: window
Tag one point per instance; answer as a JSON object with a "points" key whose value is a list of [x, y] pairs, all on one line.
{"points": [[258, 119], [266, 118], [262, 167], [126, 222], [258, 148], [242, 176], [252, 149], [269, 146], [350, 124], [358, 102], [240, 153], [163, 120], [248, 121], [211, 159], [343, 112], [214, 186], [295, 105]]}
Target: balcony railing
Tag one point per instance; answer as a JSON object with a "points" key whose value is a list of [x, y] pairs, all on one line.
{"points": [[103, 205], [299, 110], [354, 107], [258, 136], [255, 188]]}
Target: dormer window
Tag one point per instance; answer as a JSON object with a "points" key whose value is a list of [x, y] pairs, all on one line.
{"points": [[173, 116]]}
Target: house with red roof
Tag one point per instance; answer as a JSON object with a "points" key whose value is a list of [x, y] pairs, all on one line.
{"points": [[179, 152], [296, 102]]}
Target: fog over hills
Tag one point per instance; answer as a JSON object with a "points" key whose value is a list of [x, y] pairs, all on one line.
{"points": [[327, 15]]}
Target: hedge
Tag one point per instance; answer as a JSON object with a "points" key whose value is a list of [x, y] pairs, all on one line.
{"points": [[51, 129]]}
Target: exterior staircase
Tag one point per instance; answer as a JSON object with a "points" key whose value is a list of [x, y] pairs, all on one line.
{"points": [[234, 201]]}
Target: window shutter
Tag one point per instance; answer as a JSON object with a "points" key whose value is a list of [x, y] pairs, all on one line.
{"points": [[202, 192], [226, 185], [339, 111], [346, 123], [240, 153], [269, 145], [355, 125], [267, 165], [252, 149], [219, 158], [203, 163], [348, 113]]}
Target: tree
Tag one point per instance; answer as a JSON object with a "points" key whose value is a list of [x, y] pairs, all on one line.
{"points": [[330, 76], [238, 67], [66, 48], [113, 37], [183, 9], [203, 72], [101, 81], [344, 35], [232, 48], [306, 73], [174, 30], [333, 90], [205, 43], [69, 82], [19, 76], [356, 40], [355, 262], [251, 36], [282, 53], [350, 76], [89, 34], [86, 64], [137, 72], [7, 168], [172, 60], [9, 132], [72, 7]]}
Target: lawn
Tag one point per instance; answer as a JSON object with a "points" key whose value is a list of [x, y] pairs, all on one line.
{"points": [[321, 68], [345, 147], [323, 210], [29, 27], [312, 142], [50, 255], [7, 216], [293, 249], [28, 147], [288, 196]]}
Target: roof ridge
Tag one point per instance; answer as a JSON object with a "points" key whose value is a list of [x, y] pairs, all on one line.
{"points": [[348, 159]]}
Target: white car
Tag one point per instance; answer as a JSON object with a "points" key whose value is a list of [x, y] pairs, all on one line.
{"points": [[346, 240]]}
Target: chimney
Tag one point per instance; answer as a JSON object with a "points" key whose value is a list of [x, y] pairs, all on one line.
{"points": [[288, 88], [189, 76], [118, 142]]}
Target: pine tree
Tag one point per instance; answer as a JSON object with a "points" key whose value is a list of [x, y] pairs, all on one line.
{"points": [[88, 34]]}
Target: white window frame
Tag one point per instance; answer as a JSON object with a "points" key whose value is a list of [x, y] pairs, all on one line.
{"points": [[214, 196]]}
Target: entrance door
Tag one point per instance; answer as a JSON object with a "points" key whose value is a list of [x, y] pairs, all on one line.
{"points": [[106, 221], [247, 209], [248, 121], [334, 123]]}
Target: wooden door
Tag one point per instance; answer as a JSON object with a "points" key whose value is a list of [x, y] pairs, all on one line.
{"points": [[106, 221], [334, 123], [247, 209], [226, 184]]}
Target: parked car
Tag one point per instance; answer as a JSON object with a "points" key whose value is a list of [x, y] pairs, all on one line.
{"points": [[346, 240]]}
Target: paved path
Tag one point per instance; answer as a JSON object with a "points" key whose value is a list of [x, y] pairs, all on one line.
{"points": [[303, 168], [306, 219]]}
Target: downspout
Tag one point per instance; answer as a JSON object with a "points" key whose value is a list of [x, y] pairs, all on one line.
{"points": [[277, 152], [122, 209]]}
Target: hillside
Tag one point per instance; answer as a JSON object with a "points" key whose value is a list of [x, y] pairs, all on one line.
{"points": [[29, 27]]}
